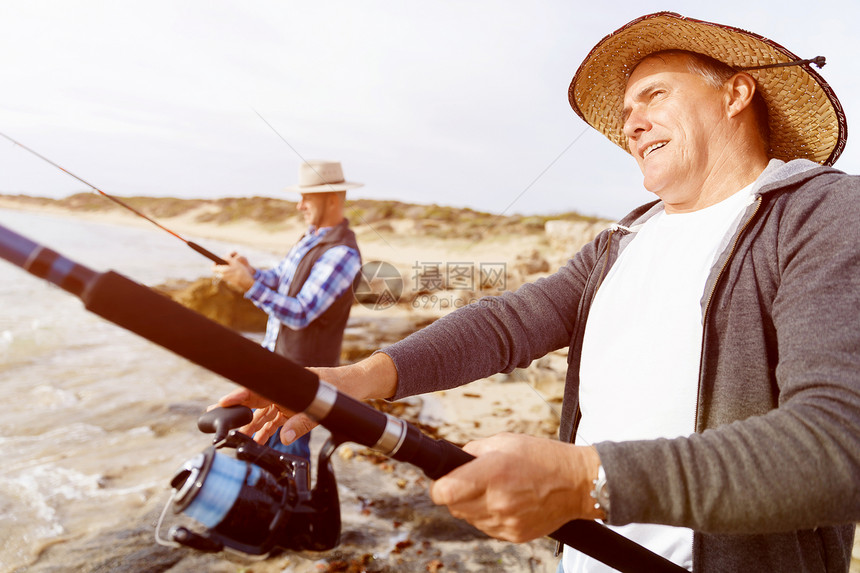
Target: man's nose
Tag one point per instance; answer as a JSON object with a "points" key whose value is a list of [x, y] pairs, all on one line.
{"points": [[635, 123]]}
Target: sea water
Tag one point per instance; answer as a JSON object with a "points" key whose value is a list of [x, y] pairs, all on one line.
{"points": [[94, 420]]}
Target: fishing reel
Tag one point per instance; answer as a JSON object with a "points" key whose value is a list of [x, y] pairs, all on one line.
{"points": [[258, 500]]}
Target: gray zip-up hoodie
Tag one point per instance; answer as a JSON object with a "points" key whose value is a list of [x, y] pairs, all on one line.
{"points": [[770, 480]]}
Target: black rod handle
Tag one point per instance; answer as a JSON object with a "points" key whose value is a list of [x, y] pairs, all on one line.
{"points": [[613, 549], [206, 253], [201, 340], [435, 457]]}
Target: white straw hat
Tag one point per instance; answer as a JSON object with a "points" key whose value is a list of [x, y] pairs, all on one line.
{"points": [[321, 176], [806, 120]]}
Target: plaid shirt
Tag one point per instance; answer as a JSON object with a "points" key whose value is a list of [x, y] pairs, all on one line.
{"points": [[330, 276]]}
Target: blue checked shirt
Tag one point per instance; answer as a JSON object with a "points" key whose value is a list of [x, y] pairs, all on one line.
{"points": [[330, 276]]}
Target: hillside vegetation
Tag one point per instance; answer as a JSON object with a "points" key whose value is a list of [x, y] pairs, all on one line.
{"points": [[270, 212]]}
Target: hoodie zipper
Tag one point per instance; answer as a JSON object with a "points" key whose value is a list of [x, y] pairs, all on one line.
{"points": [[605, 255], [708, 305], [704, 322]]}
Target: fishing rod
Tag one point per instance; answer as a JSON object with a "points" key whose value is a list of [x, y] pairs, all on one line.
{"points": [[208, 254], [159, 319]]}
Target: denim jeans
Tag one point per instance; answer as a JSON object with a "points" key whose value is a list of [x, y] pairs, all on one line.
{"points": [[300, 447]]}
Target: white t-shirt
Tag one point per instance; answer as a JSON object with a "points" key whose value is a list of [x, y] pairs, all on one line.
{"points": [[640, 355]]}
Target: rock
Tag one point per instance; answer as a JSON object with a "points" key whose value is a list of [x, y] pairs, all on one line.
{"points": [[531, 263], [365, 335], [570, 236], [215, 300]]}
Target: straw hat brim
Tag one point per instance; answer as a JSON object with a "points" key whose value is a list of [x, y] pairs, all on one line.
{"points": [[806, 119], [325, 187]]}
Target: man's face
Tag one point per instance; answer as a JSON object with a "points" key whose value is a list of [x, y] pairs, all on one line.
{"points": [[674, 123], [313, 207]]}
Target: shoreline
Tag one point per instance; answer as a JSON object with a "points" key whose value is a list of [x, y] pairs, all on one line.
{"points": [[400, 235], [414, 251], [389, 522]]}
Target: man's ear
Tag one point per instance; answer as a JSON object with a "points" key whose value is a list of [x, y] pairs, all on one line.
{"points": [[740, 90], [337, 198]]}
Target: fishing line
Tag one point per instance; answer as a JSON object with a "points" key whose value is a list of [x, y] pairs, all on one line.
{"points": [[551, 163], [535, 180], [209, 255], [354, 211]]}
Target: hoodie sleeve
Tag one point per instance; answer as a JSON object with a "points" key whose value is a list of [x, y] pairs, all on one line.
{"points": [[495, 334]]}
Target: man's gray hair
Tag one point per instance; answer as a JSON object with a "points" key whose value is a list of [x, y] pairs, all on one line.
{"points": [[716, 73]]}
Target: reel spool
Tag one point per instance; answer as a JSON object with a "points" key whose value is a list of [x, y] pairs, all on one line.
{"points": [[255, 502]]}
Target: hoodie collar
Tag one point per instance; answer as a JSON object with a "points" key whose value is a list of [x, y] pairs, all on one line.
{"points": [[777, 174]]}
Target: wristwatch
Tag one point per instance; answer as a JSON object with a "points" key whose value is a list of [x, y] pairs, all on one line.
{"points": [[600, 493]]}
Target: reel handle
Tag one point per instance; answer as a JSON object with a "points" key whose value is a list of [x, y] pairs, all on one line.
{"points": [[185, 536], [220, 421]]}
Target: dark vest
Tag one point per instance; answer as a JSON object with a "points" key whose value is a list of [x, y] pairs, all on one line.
{"points": [[318, 344]]}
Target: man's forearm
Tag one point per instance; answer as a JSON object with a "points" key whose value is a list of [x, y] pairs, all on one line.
{"points": [[373, 377], [380, 375]]}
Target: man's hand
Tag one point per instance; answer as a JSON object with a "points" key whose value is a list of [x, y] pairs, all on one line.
{"points": [[520, 487], [237, 273], [373, 377], [268, 416]]}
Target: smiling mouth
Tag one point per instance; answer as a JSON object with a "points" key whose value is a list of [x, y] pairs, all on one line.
{"points": [[653, 147]]}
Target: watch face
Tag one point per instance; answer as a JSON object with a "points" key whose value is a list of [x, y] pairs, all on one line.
{"points": [[603, 495], [601, 491]]}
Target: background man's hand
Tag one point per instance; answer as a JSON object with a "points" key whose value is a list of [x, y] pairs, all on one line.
{"points": [[237, 273]]}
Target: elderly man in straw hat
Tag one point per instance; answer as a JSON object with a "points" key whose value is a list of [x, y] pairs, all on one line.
{"points": [[712, 401], [308, 294]]}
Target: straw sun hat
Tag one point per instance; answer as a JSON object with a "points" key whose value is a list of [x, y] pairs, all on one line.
{"points": [[321, 176], [806, 119]]}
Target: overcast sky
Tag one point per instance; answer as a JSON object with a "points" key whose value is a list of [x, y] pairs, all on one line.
{"points": [[458, 103]]}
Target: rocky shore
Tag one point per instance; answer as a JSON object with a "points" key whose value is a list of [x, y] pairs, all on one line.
{"points": [[389, 523]]}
